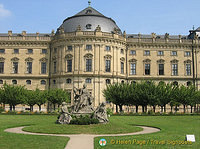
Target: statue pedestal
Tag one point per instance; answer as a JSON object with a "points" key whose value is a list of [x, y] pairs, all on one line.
{"points": [[78, 114]]}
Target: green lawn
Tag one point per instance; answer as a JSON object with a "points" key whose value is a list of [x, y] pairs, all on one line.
{"points": [[173, 128]]}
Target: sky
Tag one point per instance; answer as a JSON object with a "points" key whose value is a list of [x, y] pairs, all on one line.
{"points": [[134, 16]]}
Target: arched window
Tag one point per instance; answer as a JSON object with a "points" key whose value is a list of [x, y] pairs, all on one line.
{"points": [[175, 83], [14, 81], [88, 80], [1, 81], [28, 82], [43, 82], [107, 81], [189, 83], [122, 81], [68, 81]]}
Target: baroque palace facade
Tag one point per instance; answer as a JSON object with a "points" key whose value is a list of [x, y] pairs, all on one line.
{"points": [[90, 48]]}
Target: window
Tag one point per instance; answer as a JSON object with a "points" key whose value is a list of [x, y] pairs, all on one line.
{"points": [[88, 47], [161, 69], [174, 69], [54, 67], [108, 65], [188, 69], [133, 68], [174, 53], [88, 80], [43, 82], [122, 81], [29, 67], [1, 81], [28, 82], [107, 48], [1, 67], [2, 50], [187, 53], [16, 51], [132, 52], [43, 68], [55, 50], [69, 48], [68, 81], [122, 67], [54, 82], [14, 81], [133, 82], [160, 53], [122, 51], [15, 67], [189, 83], [69, 65], [30, 51], [175, 83], [88, 65], [88, 26], [44, 51], [146, 52], [147, 69], [107, 81], [88, 11]]}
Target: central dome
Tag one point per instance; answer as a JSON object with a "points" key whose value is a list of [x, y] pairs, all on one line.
{"points": [[88, 19]]}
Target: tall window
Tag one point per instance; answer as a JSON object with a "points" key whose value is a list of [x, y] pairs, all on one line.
{"points": [[188, 69], [43, 67], [174, 69], [122, 67], [69, 65], [147, 69], [88, 65], [161, 69], [15, 67], [29, 67], [108, 65], [54, 67], [133, 68], [1, 67]]}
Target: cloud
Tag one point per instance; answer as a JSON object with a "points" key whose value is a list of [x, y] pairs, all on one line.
{"points": [[4, 12]]}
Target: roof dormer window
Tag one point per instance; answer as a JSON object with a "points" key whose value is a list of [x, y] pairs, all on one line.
{"points": [[88, 26]]}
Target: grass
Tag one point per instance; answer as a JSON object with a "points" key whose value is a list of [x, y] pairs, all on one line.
{"points": [[173, 128], [21, 141]]}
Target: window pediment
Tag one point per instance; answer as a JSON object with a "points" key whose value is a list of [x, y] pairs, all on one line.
{"points": [[188, 61], [147, 61], [122, 59], [15, 59], [161, 61], [133, 60], [89, 56], [2, 59], [174, 61], [107, 56], [43, 59], [68, 56], [29, 59]]}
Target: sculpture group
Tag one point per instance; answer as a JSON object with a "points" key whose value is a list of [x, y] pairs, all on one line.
{"points": [[83, 105]]}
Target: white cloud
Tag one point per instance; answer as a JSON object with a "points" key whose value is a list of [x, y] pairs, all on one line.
{"points": [[4, 12]]}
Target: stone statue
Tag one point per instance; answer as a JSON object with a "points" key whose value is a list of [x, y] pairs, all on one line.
{"points": [[64, 117], [82, 101], [101, 114]]}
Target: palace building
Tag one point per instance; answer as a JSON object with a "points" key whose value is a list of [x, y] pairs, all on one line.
{"points": [[90, 48]]}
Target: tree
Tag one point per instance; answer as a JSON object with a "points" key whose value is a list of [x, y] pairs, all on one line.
{"points": [[41, 97], [30, 98], [13, 95]]}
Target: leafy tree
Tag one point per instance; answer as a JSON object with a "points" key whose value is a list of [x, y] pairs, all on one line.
{"points": [[30, 98], [41, 97]]}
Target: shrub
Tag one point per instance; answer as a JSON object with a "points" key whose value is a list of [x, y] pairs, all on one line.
{"points": [[83, 120]]}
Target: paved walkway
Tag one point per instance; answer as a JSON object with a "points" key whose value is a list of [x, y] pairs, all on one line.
{"points": [[82, 141]]}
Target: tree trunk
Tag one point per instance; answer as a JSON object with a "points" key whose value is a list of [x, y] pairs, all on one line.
{"points": [[171, 108], [14, 108], [184, 108], [136, 108], [161, 109], [191, 109], [146, 109], [120, 108], [142, 109], [154, 109], [164, 108], [10, 107], [116, 108], [39, 107], [54, 107], [195, 109]]}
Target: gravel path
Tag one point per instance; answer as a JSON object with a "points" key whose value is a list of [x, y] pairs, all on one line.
{"points": [[83, 141]]}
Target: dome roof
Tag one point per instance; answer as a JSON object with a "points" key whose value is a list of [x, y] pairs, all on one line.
{"points": [[89, 19]]}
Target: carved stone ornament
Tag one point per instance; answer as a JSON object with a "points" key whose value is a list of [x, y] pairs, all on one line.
{"points": [[29, 59], [187, 61], [101, 114], [166, 36], [43, 59], [133, 60], [108, 57], [15, 59], [122, 59], [98, 28], [69, 56], [64, 117], [160, 61], [153, 35], [54, 58], [174, 61], [89, 56], [2, 59], [147, 61]]}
